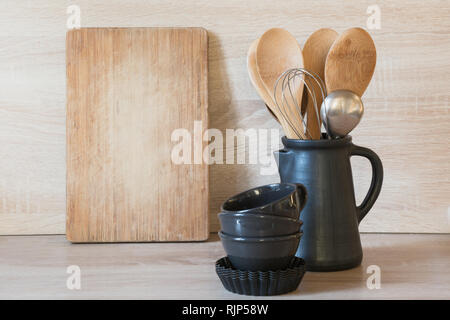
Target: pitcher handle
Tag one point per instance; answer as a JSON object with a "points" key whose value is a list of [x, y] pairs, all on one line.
{"points": [[377, 179]]}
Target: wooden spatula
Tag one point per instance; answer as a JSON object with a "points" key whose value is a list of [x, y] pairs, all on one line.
{"points": [[277, 51], [315, 53], [262, 91], [350, 62], [256, 79]]}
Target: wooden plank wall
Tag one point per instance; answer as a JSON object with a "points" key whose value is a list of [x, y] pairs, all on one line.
{"points": [[406, 119]]}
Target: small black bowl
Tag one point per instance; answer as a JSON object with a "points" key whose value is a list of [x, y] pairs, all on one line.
{"points": [[257, 225], [280, 199], [260, 254]]}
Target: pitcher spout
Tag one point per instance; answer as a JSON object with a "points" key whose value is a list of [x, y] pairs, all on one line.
{"points": [[281, 155]]}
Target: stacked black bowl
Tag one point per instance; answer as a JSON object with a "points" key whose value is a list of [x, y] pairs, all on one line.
{"points": [[261, 230]]}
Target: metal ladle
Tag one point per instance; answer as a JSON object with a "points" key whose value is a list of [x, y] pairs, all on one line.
{"points": [[341, 112]]}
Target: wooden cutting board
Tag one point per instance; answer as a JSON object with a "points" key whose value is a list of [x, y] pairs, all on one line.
{"points": [[128, 89]]}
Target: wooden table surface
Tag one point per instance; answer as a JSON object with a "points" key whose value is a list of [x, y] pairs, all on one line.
{"points": [[35, 267]]}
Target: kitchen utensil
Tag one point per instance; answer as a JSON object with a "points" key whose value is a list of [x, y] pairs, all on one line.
{"points": [[331, 217], [277, 51], [315, 53], [350, 62], [305, 101], [260, 253], [278, 199], [260, 283], [257, 82], [341, 110], [257, 225], [272, 114], [286, 98], [128, 90]]}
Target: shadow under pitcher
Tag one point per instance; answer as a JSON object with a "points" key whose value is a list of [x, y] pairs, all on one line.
{"points": [[331, 217]]}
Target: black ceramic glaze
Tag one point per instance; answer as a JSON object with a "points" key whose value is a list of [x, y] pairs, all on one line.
{"points": [[260, 254], [331, 217], [257, 225], [281, 199]]}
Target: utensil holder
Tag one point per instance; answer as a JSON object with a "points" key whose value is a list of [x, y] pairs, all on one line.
{"points": [[330, 217]]}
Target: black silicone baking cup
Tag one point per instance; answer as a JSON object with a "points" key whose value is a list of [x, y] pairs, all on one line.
{"points": [[260, 283]]}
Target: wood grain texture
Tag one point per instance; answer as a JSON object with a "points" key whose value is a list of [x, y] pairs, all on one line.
{"points": [[263, 93], [315, 53], [276, 52], [411, 266], [408, 92], [351, 62], [128, 89]]}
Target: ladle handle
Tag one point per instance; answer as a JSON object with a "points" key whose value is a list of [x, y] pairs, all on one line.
{"points": [[377, 179]]}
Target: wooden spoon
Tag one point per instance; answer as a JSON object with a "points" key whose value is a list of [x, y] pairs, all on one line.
{"points": [[351, 62], [257, 82], [256, 79], [272, 114], [315, 53], [277, 51]]}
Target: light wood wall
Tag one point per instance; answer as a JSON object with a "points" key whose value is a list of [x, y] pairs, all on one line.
{"points": [[406, 118]]}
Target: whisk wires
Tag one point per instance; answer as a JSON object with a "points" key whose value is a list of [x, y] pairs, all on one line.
{"points": [[288, 92]]}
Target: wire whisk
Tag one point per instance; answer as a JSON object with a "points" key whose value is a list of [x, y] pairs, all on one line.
{"points": [[288, 92]]}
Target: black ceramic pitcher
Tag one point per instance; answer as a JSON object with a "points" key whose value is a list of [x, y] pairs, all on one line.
{"points": [[331, 217]]}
